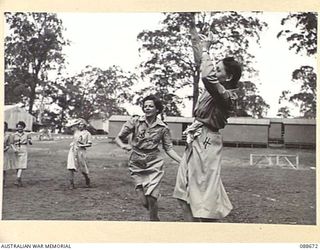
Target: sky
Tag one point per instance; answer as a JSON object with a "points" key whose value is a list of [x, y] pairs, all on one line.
{"points": [[106, 39]]}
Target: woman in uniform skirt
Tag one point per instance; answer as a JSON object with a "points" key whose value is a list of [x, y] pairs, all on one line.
{"points": [[146, 163], [199, 188], [77, 157], [21, 140]]}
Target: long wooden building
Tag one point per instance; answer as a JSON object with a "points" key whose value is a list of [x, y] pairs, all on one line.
{"points": [[243, 131]]}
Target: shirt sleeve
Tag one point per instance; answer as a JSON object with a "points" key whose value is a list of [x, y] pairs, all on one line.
{"points": [[166, 140], [89, 138], [127, 129], [208, 75], [6, 140], [29, 137], [207, 67], [212, 84], [230, 98]]}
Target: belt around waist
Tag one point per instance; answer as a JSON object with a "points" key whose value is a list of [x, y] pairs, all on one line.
{"points": [[211, 128], [146, 151], [207, 125]]}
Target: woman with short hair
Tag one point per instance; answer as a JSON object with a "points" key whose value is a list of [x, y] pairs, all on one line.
{"points": [[20, 144], [77, 160], [146, 162]]}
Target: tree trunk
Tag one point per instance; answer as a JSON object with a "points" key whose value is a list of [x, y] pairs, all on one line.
{"points": [[34, 85], [32, 98], [61, 121], [196, 80]]}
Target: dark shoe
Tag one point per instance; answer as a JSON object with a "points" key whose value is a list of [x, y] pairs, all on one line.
{"points": [[145, 205], [88, 182], [71, 185], [18, 182]]}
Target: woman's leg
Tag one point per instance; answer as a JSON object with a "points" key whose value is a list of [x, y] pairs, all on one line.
{"points": [[153, 208], [4, 178], [142, 197], [86, 178], [71, 178], [18, 181]]}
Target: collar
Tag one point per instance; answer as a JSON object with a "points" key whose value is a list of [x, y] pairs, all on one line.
{"points": [[157, 121], [17, 133]]}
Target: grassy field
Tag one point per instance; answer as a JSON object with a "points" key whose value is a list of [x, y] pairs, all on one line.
{"points": [[259, 194]]}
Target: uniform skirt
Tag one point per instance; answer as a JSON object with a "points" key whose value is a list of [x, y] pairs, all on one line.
{"points": [[198, 179], [20, 157], [146, 169], [77, 160], [9, 159]]}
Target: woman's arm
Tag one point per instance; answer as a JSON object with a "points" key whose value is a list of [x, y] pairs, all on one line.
{"points": [[122, 145], [168, 146], [88, 140], [29, 139], [85, 145], [126, 130], [173, 155], [211, 83]]}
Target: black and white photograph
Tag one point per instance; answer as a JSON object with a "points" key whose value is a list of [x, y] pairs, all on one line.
{"points": [[204, 116]]}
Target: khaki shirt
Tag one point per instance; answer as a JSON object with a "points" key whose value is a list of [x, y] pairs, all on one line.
{"points": [[82, 137], [145, 138], [21, 138], [212, 108]]}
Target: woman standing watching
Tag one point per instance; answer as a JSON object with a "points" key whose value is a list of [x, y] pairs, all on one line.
{"points": [[77, 159], [20, 142]]}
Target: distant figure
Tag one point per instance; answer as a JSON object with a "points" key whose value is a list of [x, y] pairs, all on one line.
{"points": [[8, 152], [146, 162], [199, 188], [77, 153], [20, 142], [45, 134]]}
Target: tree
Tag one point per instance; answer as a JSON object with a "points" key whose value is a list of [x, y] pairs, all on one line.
{"points": [[284, 112], [94, 93], [33, 46], [171, 64], [302, 39], [306, 98], [302, 36], [250, 102]]}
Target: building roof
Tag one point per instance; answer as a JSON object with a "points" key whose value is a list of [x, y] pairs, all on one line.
{"points": [[231, 120], [276, 120], [8, 108], [177, 119], [299, 121], [14, 106], [248, 121], [169, 119], [119, 118]]}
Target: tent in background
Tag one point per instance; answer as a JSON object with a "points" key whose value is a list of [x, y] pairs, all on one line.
{"points": [[13, 114]]}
